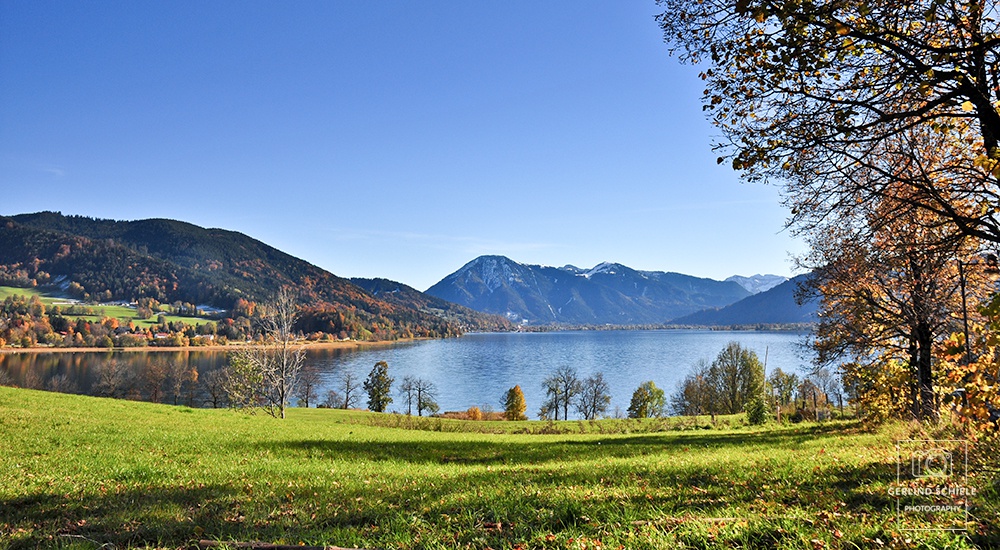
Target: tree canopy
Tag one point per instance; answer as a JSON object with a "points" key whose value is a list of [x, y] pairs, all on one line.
{"points": [[813, 93]]}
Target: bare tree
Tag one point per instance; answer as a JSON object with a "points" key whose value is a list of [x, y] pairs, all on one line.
{"points": [[214, 382], [426, 395], [113, 380], [62, 383], [407, 391], [350, 389], [153, 376], [696, 394], [562, 387], [305, 390], [266, 375], [334, 400], [594, 398], [177, 374]]}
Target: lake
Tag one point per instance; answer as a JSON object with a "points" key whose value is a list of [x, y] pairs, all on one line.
{"points": [[476, 369]]}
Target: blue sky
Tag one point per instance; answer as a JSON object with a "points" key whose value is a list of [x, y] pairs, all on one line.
{"points": [[381, 139]]}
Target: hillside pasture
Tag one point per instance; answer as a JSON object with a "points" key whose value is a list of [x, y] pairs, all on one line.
{"points": [[123, 313]]}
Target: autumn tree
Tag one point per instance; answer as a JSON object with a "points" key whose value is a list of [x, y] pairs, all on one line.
{"points": [[853, 106], [891, 294], [970, 381], [378, 385], [594, 397], [514, 405], [809, 95]]}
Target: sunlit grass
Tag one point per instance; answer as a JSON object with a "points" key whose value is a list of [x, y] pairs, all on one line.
{"points": [[122, 313], [138, 474]]}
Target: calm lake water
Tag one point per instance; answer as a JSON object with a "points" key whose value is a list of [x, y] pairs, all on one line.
{"points": [[476, 369]]}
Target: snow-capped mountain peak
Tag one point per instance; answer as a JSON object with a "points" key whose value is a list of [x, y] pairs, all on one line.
{"points": [[755, 284]]}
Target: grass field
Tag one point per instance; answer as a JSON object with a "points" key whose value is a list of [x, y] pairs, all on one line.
{"points": [[80, 472], [122, 313]]}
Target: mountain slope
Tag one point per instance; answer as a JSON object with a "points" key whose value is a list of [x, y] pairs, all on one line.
{"points": [[774, 306], [607, 294], [176, 261], [406, 296]]}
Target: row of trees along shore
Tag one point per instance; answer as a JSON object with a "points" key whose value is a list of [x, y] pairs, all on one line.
{"points": [[880, 122]]}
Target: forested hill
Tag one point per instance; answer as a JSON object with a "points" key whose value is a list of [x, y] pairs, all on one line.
{"points": [[171, 261]]}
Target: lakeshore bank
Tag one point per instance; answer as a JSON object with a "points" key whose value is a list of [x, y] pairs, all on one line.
{"points": [[340, 344]]}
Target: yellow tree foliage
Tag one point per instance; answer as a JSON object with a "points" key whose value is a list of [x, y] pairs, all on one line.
{"points": [[514, 404], [972, 389]]}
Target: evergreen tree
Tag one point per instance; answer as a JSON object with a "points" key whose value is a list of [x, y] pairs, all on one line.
{"points": [[379, 387]]}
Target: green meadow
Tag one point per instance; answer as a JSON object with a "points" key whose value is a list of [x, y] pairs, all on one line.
{"points": [[82, 472], [122, 313]]}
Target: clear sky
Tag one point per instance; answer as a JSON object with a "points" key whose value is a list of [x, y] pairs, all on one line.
{"points": [[381, 138]]}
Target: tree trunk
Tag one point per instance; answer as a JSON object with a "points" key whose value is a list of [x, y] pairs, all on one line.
{"points": [[928, 407], [914, 365]]}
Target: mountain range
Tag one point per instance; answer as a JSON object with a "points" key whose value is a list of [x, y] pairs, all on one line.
{"points": [[172, 261], [607, 294]]}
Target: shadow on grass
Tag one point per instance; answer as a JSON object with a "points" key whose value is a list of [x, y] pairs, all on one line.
{"points": [[527, 450], [535, 500], [123, 518], [178, 517]]}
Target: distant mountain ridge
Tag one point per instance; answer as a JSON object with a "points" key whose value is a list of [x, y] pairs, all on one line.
{"points": [[609, 293], [774, 306]]}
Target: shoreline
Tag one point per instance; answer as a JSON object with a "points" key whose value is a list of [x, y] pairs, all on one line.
{"points": [[342, 344]]}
